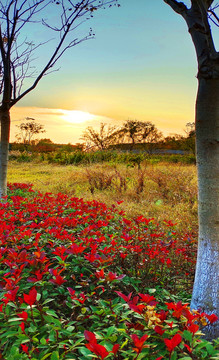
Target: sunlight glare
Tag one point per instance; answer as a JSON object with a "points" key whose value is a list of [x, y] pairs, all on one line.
{"points": [[76, 116]]}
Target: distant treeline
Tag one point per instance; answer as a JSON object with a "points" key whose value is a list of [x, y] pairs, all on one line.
{"points": [[170, 143]]}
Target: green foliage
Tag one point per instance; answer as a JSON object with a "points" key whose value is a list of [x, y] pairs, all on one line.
{"points": [[113, 157], [79, 280]]}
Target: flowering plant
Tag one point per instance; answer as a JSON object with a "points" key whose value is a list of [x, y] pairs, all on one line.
{"points": [[80, 280]]}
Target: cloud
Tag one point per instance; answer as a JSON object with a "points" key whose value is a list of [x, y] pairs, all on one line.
{"points": [[62, 126], [67, 126]]}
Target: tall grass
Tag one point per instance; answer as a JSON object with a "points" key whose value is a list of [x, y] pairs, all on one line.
{"points": [[162, 191]]}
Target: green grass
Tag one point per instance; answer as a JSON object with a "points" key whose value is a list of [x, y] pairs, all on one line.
{"points": [[162, 191]]}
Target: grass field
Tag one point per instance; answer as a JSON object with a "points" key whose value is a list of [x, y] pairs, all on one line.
{"points": [[162, 191]]}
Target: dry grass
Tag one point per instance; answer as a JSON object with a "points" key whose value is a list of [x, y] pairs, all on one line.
{"points": [[163, 191]]}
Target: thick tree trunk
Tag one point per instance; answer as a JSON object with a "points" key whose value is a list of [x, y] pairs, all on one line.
{"points": [[5, 133], [206, 286]]}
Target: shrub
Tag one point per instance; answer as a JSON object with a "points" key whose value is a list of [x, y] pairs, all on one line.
{"points": [[79, 280]]}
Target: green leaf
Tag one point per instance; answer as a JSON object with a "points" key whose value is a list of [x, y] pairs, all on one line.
{"points": [[174, 356], [46, 356], [111, 330], [12, 304], [8, 334], [52, 313], [47, 301], [210, 349], [55, 355], [15, 319], [43, 341], [70, 328], [84, 351], [187, 335]]}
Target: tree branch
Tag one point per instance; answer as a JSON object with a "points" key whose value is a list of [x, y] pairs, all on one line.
{"points": [[15, 58], [178, 7]]}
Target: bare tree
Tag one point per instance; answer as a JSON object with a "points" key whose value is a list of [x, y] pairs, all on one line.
{"points": [[206, 285], [99, 139], [28, 129], [17, 51]]}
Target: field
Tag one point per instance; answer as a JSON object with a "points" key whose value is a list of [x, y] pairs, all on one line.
{"points": [[88, 271], [162, 191]]}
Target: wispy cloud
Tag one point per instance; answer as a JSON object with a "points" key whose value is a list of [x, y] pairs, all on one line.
{"points": [[62, 126]]}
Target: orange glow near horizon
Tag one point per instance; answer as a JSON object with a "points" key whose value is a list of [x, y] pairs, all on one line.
{"points": [[67, 126], [76, 116]]}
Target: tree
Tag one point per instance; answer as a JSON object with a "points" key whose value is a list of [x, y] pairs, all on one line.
{"points": [[190, 128], [99, 139], [29, 129], [16, 51], [135, 131], [206, 286], [153, 140]]}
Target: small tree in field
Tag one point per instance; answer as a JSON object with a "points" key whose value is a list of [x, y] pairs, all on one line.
{"points": [[206, 286], [16, 51], [135, 131], [27, 130], [101, 139]]}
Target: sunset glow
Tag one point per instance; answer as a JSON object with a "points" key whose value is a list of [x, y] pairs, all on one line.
{"points": [[76, 117], [127, 72]]}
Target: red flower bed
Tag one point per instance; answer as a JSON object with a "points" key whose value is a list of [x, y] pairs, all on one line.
{"points": [[67, 267]]}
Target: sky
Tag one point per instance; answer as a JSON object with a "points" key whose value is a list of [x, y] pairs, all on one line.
{"points": [[140, 65]]}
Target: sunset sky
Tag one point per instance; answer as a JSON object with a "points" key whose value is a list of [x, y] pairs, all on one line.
{"points": [[141, 65]]}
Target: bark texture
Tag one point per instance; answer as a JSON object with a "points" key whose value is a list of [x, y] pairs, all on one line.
{"points": [[206, 286], [5, 133]]}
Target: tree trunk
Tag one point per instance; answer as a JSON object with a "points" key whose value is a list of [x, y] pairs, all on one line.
{"points": [[5, 133], [206, 286]]}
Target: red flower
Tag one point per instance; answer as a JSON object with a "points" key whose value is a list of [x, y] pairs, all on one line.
{"points": [[148, 299], [113, 276], [193, 328], [100, 274], [212, 318], [172, 343], [25, 348], [22, 326], [11, 294], [139, 343], [89, 336], [97, 349], [74, 297], [59, 280], [159, 330], [31, 297], [178, 308], [188, 347], [115, 349], [23, 315], [124, 297]]}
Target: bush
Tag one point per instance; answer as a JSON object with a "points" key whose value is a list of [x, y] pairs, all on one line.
{"points": [[80, 280], [115, 157]]}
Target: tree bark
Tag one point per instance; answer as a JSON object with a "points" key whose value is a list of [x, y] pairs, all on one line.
{"points": [[5, 133], [206, 286]]}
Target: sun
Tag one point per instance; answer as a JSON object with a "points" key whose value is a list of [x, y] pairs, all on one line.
{"points": [[76, 116]]}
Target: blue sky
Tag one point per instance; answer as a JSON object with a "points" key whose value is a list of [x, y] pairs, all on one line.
{"points": [[140, 65]]}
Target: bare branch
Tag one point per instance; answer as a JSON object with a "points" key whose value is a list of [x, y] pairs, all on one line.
{"points": [[17, 55], [213, 16]]}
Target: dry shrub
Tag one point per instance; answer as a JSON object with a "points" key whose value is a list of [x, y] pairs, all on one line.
{"points": [[99, 180]]}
